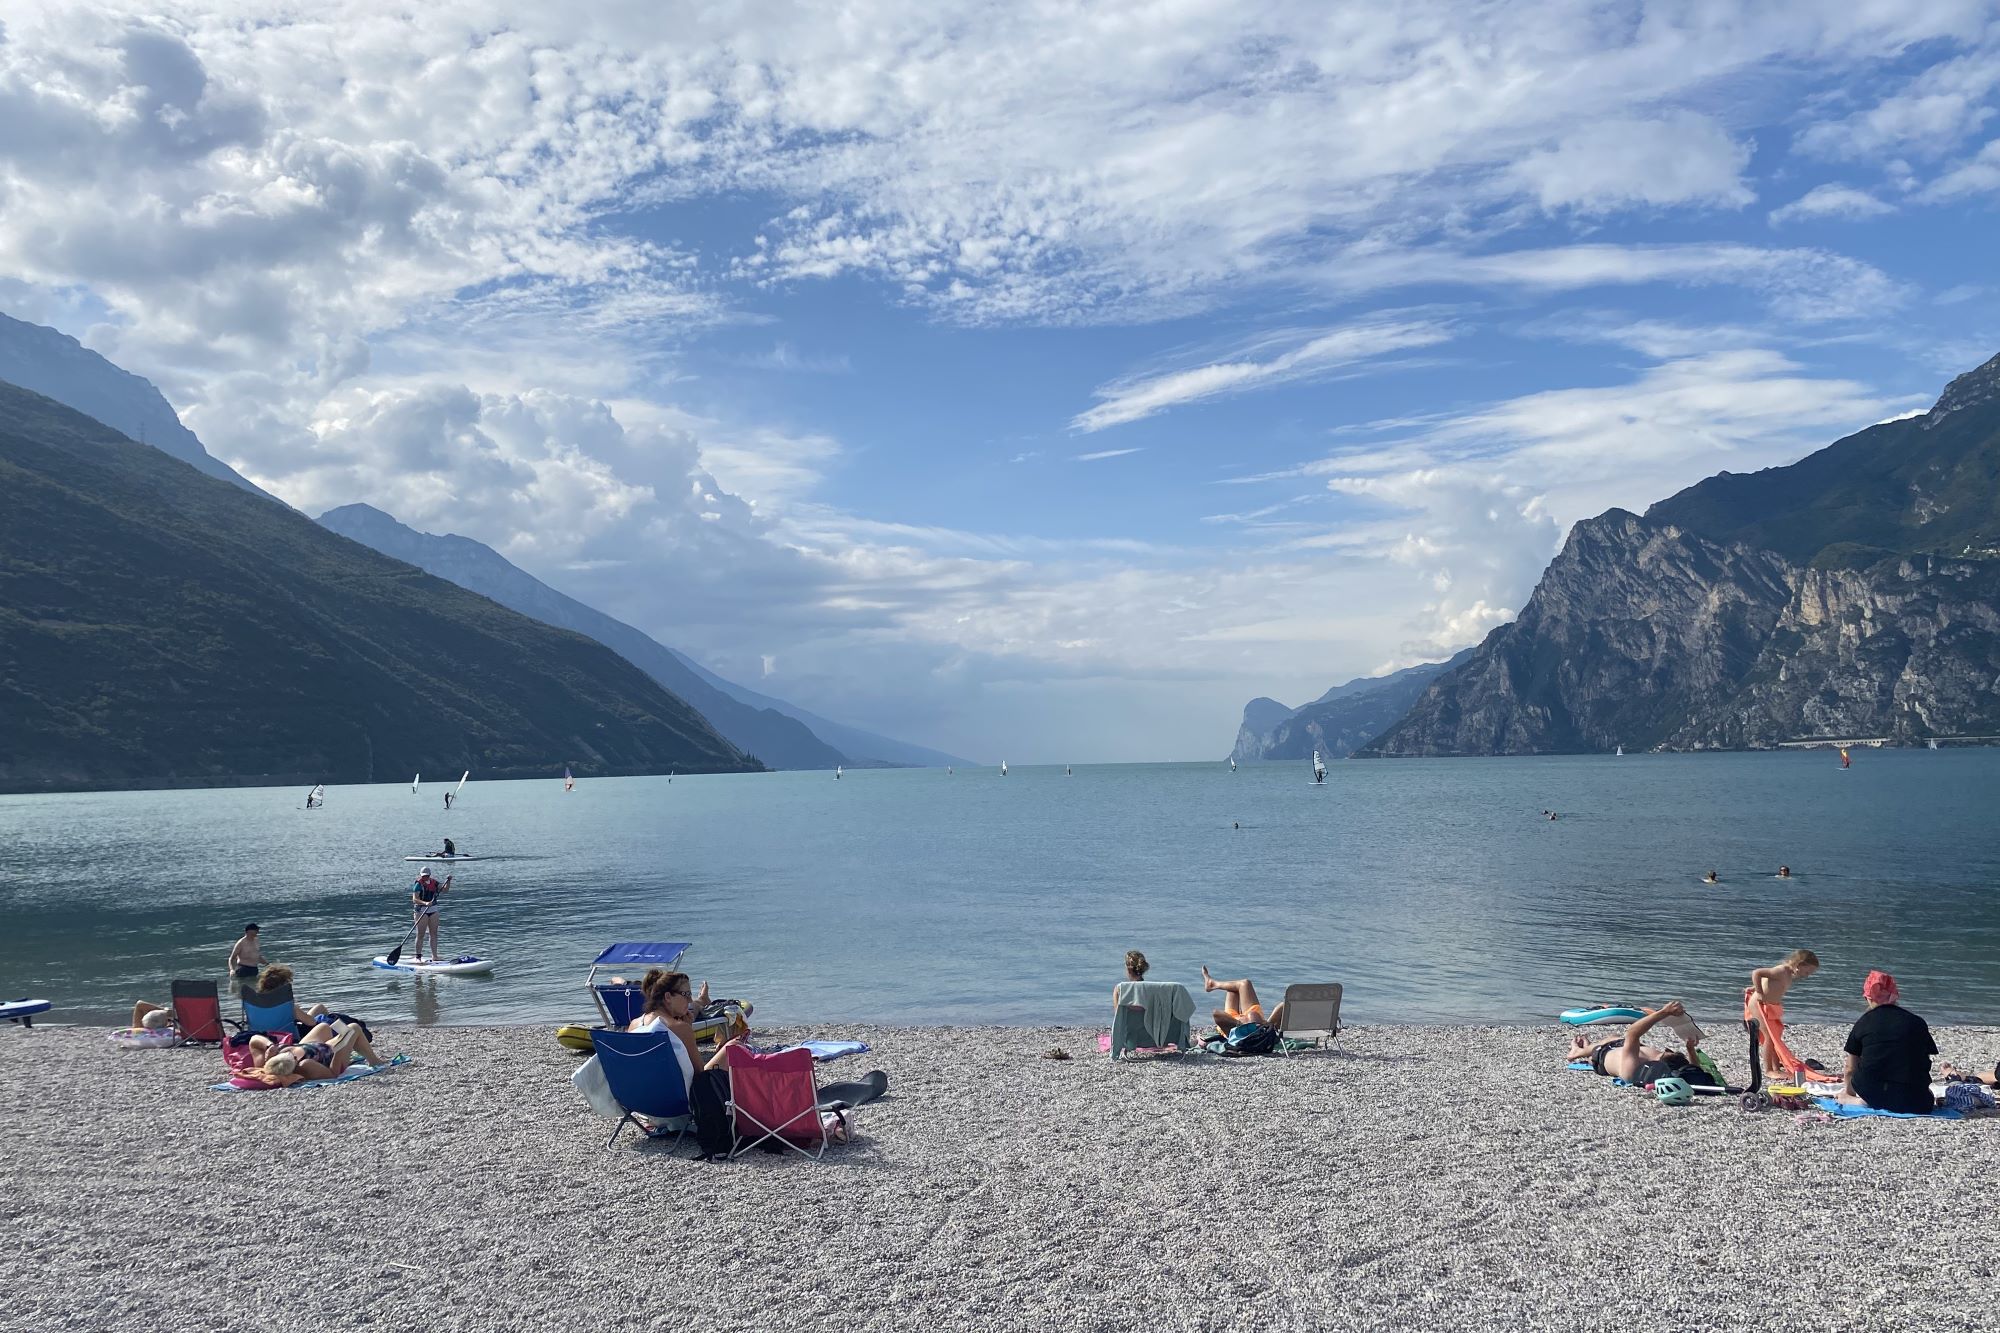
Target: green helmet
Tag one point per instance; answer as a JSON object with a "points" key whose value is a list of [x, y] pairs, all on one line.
{"points": [[1673, 1091]]}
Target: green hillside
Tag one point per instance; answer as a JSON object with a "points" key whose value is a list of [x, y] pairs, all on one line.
{"points": [[159, 627]]}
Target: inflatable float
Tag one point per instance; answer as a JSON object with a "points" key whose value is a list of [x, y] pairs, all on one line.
{"points": [[143, 1039], [576, 1037], [1603, 1013]]}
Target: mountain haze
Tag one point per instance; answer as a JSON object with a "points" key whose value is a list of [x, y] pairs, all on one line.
{"points": [[1853, 594], [776, 740], [159, 627], [55, 365], [1337, 723]]}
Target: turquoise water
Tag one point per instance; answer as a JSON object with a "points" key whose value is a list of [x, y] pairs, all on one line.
{"points": [[1433, 889]]}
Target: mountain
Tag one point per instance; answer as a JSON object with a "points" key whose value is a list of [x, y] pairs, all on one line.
{"points": [[55, 365], [866, 746], [1853, 594], [161, 628], [1337, 723], [776, 740]]}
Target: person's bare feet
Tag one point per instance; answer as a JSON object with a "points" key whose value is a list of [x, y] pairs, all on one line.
{"points": [[1207, 982]]}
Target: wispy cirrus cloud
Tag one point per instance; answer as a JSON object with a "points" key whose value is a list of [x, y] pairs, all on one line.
{"points": [[1831, 201], [1101, 454], [1309, 353]]}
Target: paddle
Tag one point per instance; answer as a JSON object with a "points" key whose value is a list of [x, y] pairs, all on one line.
{"points": [[395, 955]]}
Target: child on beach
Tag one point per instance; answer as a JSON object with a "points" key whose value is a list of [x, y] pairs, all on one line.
{"points": [[1766, 992]]}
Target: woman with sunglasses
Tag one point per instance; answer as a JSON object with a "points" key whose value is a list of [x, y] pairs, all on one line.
{"points": [[670, 1007]]}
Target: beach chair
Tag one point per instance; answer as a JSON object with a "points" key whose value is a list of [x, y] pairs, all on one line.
{"points": [[197, 1012], [773, 1100], [269, 1018], [1150, 1015], [620, 1003], [644, 1075], [1311, 1011]]}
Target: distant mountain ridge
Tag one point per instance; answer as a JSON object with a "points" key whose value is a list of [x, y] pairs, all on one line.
{"points": [[51, 363], [159, 627], [1853, 594], [778, 734], [1337, 723]]}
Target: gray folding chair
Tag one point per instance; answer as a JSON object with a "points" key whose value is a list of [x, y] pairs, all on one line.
{"points": [[1312, 1011]]}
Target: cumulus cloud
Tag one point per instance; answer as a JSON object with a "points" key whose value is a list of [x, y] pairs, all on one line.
{"points": [[1679, 158], [1307, 354], [1830, 201]]}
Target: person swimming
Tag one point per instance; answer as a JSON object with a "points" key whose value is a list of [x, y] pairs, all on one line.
{"points": [[1711, 878], [1784, 872]]}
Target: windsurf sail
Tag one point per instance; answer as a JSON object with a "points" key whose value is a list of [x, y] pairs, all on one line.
{"points": [[1232, 764], [1319, 768], [1621, 752], [569, 783], [1845, 761], [317, 796], [836, 772], [1003, 768], [458, 792], [415, 783]]}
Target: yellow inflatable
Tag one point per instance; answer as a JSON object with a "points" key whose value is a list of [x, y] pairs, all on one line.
{"points": [[576, 1037]]}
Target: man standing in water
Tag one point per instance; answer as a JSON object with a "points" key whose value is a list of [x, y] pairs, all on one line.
{"points": [[246, 957], [447, 800], [424, 895]]}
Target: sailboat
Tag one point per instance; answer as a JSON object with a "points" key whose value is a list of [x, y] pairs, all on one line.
{"points": [[1068, 772], [569, 783], [1319, 770], [1934, 742], [836, 772], [1003, 768], [416, 782], [1621, 752], [316, 797], [1232, 763]]}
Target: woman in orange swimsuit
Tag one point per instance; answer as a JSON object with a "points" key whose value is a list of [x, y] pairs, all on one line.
{"points": [[1241, 1004]]}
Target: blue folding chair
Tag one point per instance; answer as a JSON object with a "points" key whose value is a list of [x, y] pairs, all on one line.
{"points": [[268, 1018], [644, 1075]]}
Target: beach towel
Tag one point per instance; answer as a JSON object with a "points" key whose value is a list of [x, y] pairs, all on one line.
{"points": [[823, 1051], [1833, 1106], [1148, 1015], [353, 1072]]}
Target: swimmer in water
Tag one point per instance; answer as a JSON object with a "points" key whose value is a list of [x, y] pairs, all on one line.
{"points": [[1711, 878], [1552, 814], [1784, 872]]}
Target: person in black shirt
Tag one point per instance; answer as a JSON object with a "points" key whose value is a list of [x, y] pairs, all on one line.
{"points": [[1889, 1054]]}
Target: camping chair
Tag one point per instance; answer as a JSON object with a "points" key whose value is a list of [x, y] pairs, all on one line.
{"points": [[197, 1012], [270, 1018], [1312, 1011], [1150, 1015], [644, 1075], [772, 1099]]}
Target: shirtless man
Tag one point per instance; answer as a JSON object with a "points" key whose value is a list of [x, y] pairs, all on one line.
{"points": [[1766, 992], [247, 956], [1240, 1005], [1628, 1057]]}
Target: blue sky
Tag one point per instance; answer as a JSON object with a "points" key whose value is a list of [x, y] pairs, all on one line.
{"points": [[1038, 382]]}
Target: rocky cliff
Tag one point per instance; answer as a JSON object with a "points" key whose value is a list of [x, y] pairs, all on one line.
{"points": [[1337, 723], [1855, 593]]}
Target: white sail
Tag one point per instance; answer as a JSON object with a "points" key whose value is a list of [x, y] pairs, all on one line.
{"points": [[459, 791], [1232, 763], [1068, 772], [1319, 767], [1621, 752], [416, 782], [317, 796], [1003, 768], [836, 772]]}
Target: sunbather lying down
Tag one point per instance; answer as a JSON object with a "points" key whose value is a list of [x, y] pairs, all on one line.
{"points": [[1630, 1058], [1951, 1073], [321, 1053], [1240, 1004]]}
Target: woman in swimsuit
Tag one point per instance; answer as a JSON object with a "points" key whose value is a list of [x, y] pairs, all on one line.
{"points": [[323, 1052], [1241, 1004], [1628, 1057]]}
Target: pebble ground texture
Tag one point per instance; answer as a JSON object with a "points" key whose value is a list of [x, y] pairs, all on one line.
{"points": [[1427, 1177]]}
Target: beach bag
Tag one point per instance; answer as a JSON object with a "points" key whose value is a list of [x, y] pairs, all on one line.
{"points": [[838, 1126], [1252, 1039], [590, 1081], [708, 1097]]}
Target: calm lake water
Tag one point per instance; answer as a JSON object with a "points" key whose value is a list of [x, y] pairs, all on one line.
{"points": [[1433, 889]]}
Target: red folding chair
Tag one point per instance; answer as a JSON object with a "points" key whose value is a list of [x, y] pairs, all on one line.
{"points": [[197, 1011], [773, 1100]]}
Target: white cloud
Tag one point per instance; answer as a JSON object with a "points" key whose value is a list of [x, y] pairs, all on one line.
{"points": [[1105, 453], [1979, 174], [1830, 201], [1930, 114], [1309, 354], [1680, 158]]}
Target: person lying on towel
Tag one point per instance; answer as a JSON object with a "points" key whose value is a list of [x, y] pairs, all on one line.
{"points": [[1630, 1058]]}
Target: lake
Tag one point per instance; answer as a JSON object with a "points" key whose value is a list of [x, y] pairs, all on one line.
{"points": [[1434, 889]]}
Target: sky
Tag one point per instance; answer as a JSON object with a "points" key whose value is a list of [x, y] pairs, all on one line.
{"points": [[1036, 381]]}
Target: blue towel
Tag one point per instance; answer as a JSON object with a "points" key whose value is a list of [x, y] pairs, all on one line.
{"points": [[353, 1072], [1840, 1108], [831, 1050]]}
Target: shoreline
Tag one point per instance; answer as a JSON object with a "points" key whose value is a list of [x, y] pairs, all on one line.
{"points": [[1423, 1174]]}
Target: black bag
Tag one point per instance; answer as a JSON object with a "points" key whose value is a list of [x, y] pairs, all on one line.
{"points": [[708, 1097], [1253, 1039]]}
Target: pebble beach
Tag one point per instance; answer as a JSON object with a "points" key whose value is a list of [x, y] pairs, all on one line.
{"points": [[1420, 1177]]}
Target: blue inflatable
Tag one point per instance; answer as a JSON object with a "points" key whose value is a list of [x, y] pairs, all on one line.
{"points": [[1606, 1013]]}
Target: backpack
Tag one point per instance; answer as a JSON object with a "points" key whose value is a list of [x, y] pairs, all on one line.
{"points": [[714, 1131], [1252, 1039]]}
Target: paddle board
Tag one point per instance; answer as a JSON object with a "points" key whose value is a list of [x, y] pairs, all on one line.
{"points": [[460, 857], [465, 965], [22, 1011]]}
